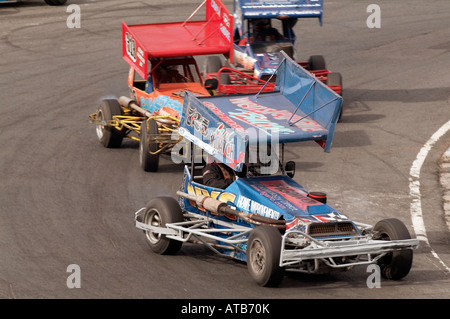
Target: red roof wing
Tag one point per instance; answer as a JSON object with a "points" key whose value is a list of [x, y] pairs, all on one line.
{"points": [[160, 40]]}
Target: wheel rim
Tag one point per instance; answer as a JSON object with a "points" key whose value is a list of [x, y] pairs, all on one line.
{"points": [[257, 257], [153, 218], [100, 128], [386, 259]]}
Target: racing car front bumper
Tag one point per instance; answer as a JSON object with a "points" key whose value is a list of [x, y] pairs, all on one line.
{"points": [[356, 251]]}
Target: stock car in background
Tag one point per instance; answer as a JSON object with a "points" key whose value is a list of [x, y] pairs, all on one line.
{"points": [[264, 217], [50, 2], [162, 70], [258, 41]]}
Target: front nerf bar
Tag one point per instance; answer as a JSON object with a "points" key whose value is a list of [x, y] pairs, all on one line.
{"points": [[323, 249]]}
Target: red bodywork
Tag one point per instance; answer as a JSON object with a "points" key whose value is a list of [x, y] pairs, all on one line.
{"points": [[147, 46], [238, 82], [213, 35]]}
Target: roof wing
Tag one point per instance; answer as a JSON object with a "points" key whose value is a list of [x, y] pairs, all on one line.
{"points": [[253, 9], [300, 109], [313, 99], [213, 35]]}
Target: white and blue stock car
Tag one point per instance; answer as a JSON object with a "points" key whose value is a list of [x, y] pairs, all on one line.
{"points": [[263, 218], [50, 2]]}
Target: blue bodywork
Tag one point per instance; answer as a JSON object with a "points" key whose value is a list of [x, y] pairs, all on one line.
{"points": [[300, 109], [248, 9], [278, 197], [262, 56], [263, 9]]}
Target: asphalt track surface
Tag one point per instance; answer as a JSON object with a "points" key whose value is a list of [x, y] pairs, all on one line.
{"points": [[66, 200]]}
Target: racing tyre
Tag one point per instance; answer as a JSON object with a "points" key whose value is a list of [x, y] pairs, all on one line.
{"points": [[263, 256], [335, 78], [317, 62], [147, 145], [396, 264], [225, 79], [55, 2], [108, 136], [158, 212]]}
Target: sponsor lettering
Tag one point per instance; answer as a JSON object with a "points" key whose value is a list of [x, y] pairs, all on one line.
{"points": [[296, 196], [260, 121], [140, 55], [252, 107], [256, 208], [154, 105], [226, 32], [215, 7], [221, 196], [223, 117], [222, 140]]}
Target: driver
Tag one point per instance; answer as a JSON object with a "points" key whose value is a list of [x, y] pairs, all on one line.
{"points": [[217, 175], [265, 32], [168, 74]]}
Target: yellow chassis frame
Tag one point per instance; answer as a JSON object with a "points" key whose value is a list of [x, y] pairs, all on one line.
{"points": [[132, 123]]}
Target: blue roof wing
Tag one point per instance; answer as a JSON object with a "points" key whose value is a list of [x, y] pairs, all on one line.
{"points": [[315, 100], [300, 109], [251, 9]]}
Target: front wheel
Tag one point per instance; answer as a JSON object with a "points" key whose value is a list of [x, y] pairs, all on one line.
{"points": [[158, 212], [397, 264], [108, 135], [263, 256]]}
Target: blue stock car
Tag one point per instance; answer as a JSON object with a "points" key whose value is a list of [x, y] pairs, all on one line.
{"points": [[264, 217], [262, 29], [50, 2]]}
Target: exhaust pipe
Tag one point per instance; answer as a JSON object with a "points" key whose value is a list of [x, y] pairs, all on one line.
{"points": [[222, 208], [132, 105]]}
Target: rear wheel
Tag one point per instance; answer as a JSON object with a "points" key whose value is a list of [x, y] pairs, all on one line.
{"points": [[108, 136], [148, 146], [397, 264], [55, 2], [317, 62], [335, 78], [158, 212], [263, 256]]}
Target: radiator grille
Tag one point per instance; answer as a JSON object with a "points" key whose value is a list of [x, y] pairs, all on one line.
{"points": [[332, 229]]}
